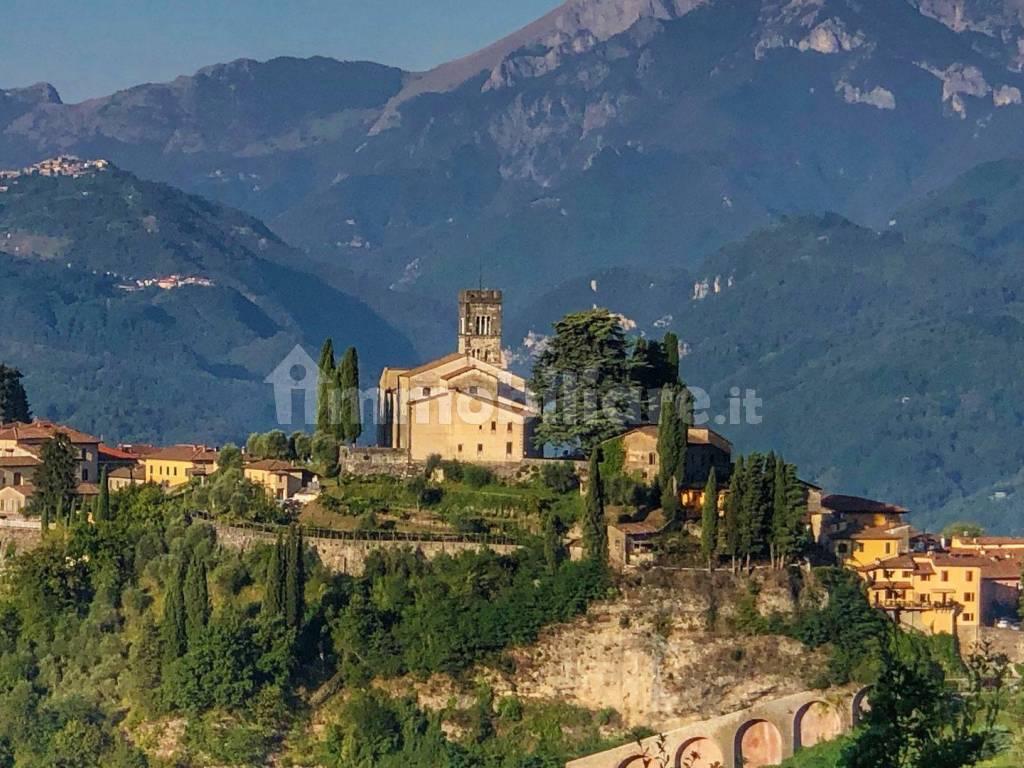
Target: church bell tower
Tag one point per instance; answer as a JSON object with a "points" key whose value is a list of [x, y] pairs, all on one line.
{"points": [[480, 325]]}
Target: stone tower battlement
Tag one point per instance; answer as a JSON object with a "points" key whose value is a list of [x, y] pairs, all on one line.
{"points": [[480, 325]]}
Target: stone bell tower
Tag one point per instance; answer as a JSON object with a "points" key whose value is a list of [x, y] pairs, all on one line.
{"points": [[480, 325]]}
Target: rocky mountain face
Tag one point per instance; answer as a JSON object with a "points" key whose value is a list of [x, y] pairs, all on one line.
{"points": [[609, 132]]}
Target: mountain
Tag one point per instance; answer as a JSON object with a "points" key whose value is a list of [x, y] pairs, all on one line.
{"points": [[887, 361], [609, 133], [104, 346]]}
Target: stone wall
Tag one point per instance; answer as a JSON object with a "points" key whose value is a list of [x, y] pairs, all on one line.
{"points": [[18, 535], [395, 462], [347, 553]]}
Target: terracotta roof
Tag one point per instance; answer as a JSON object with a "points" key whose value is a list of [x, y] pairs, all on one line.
{"points": [[19, 461], [109, 453], [88, 489], [695, 435], [43, 430], [191, 453], [128, 473], [880, 533], [138, 450], [654, 523], [841, 503], [991, 541], [273, 465]]}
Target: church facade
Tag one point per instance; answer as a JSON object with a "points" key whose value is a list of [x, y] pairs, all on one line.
{"points": [[465, 406]]}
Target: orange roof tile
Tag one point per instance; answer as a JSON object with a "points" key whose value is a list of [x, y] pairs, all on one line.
{"points": [[39, 431]]}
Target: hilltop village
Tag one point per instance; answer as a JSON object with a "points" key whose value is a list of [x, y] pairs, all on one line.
{"points": [[467, 416]]}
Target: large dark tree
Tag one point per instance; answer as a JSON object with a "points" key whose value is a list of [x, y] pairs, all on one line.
{"points": [[325, 389], [13, 400], [788, 528], [582, 379], [730, 524], [350, 419], [56, 479], [917, 719]]}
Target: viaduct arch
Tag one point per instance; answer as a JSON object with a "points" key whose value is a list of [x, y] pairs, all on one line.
{"points": [[760, 736]]}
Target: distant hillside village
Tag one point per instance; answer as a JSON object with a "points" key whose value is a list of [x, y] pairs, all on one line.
{"points": [[646, 478]]}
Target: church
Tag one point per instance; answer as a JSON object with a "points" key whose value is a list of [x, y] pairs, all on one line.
{"points": [[465, 406]]}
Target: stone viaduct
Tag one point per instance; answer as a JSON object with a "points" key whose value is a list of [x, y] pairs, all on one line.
{"points": [[765, 734], [347, 551]]}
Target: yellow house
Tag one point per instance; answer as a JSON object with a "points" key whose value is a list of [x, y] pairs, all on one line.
{"points": [[941, 592], [872, 545], [834, 518], [281, 479], [178, 464], [123, 477], [464, 406]]}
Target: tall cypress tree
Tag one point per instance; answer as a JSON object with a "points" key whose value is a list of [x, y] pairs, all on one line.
{"points": [[672, 437], [671, 345], [172, 628], [351, 422], [56, 479], [197, 599], [729, 530], [595, 531], [273, 587], [788, 509], [102, 511], [325, 415], [709, 520], [752, 512], [13, 400], [295, 579]]}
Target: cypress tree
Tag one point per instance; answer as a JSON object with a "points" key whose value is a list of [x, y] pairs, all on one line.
{"points": [[196, 599], [351, 422], [752, 512], [44, 518], [13, 400], [595, 532], [709, 520], [172, 628], [788, 508], [295, 579], [554, 552], [102, 511], [729, 530], [273, 588], [325, 389], [671, 345], [668, 437]]}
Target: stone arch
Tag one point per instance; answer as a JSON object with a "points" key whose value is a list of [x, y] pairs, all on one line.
{"points": [[758, 743], [699, 752], [814, 723], [859, 706]]}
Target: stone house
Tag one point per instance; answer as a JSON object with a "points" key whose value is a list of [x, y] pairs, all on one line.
{"points": [[23, 442], [281, 479]]}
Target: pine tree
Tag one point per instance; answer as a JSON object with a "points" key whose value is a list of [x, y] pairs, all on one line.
{"points": [[102, 511], [351, 422], [197, 599], [13, 400], [295, 579], [325, 389], [709, 520], [172, 628], [595, 531], [273, 588]]}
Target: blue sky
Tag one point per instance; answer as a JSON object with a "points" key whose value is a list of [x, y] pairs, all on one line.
{"points": [[90, 48]]}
